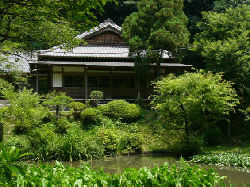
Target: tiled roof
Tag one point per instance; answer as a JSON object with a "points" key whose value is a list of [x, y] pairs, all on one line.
{"points": [[94, 51], [107, 23], [111, 64], [90, 51]]}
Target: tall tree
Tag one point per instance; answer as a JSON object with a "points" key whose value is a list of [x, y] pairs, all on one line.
{"points": [[223, 43], [193, 100], [158, 25], [39, 24], [222, 5]]}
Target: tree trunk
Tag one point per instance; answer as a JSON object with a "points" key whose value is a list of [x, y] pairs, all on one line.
{"points": [[57, 111]]}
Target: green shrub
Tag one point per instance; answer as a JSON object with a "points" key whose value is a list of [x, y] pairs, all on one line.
{"points": [[25, 112], [45, 143], [5, 88], [62, 125], [131, 143], [96, 96], [77, 108], [19, 141], [58, 101], [191, 99], [120, 109], [78, 144], [110, 140], [74, 144], [89, 116]]}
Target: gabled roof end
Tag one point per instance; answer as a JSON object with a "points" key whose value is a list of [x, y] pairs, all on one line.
{"points": [[107, 23]]}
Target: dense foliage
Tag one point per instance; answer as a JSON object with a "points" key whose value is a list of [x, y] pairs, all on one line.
{"points": [[24, 111], [158, 25], [163, 175], [120, 109], [76, 108], [58, 101], [95, 97], [193, 100], [36, 24], [224, 159], [223, 44]]}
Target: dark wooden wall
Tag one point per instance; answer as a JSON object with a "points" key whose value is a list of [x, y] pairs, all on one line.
{"points": [[106, 38]]}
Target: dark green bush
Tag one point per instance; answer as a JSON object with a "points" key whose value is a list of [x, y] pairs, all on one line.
{"points": [[212, 135], [62, 125], [120, 109], [77, 108], [187, 149], [89, 116], [131, 143]]}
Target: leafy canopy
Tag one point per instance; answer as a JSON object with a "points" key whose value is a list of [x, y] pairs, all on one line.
{"points": [[193, 98], [39, 24], [158, 24], [222, 5], [223, 44]]}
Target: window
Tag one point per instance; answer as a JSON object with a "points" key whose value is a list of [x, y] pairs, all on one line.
{"points": [[104, 82], [73, 80], [98, 81], [92, 82], [123, 82]]}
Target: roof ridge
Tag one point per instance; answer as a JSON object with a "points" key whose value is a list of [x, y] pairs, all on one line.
{"points": [[108, 22]]}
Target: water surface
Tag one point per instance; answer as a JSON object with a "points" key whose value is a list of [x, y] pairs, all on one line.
{"points": [[112, 165]]}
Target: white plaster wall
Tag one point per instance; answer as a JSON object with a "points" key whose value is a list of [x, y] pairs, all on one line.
{"points": [[57, 80]]}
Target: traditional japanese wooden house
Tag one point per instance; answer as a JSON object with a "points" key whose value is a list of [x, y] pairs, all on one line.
{"points": [[102, 64]]}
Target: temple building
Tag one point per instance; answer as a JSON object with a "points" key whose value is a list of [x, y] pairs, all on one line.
{"points": [[102, 63]]}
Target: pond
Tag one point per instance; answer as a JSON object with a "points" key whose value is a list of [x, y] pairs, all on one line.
{"points": [[237, 176]]}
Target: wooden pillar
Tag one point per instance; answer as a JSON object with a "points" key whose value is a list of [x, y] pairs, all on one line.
{"points": [[86, 83], [138, 86], [51, 78], [37, 80]]}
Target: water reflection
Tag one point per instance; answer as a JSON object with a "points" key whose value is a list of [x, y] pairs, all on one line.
{"points": [[235, 176], [118, 164]]}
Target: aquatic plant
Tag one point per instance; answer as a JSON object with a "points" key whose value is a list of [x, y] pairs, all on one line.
{"points": [[164, 175], [226, 159], [8, 162]]}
